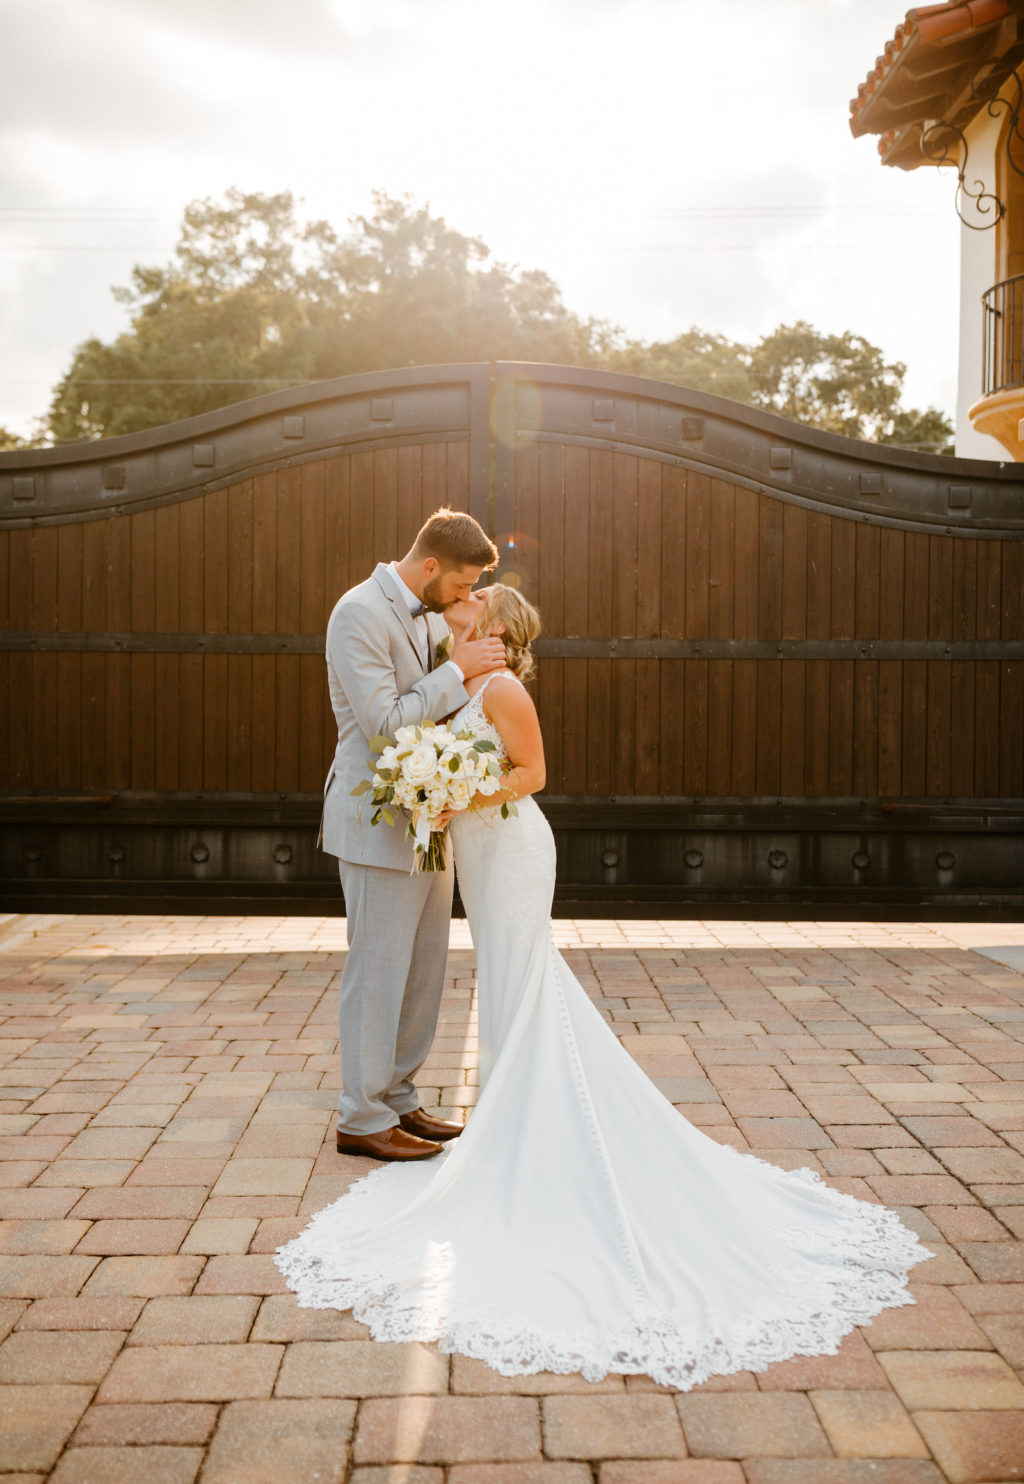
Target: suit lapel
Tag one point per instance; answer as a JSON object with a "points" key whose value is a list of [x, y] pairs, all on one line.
{"points": [[386, 582]]}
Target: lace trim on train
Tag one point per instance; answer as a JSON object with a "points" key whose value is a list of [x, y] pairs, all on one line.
{"points": [[864, 1270]]}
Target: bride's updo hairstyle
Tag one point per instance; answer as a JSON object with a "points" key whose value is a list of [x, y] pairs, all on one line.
{"points": [[507, 605]]}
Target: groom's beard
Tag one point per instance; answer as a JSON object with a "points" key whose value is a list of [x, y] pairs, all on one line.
{"points": [[431, 596]]}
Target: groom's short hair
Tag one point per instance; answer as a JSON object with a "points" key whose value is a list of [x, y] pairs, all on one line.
{"points": [[456, 540]]}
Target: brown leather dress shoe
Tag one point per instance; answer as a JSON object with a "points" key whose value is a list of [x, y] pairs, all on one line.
{"points": [[390, 1143], [426, 1126]]}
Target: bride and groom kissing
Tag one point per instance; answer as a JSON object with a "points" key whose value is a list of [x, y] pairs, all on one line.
{"points": [[578, 1223]]}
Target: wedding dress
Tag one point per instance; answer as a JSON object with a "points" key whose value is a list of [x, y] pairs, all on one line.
{"points": [[580, 1223]]}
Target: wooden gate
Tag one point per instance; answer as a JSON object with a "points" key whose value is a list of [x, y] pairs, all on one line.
{"points": [[779, 667]]}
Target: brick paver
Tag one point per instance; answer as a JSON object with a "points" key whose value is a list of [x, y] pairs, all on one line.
{"points": [[167, 1088]]}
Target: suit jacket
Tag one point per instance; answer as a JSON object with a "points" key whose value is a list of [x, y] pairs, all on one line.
{"points": [[379, 681]]}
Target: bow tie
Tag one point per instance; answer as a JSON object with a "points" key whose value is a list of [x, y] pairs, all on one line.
{"points": [[419, 612]]}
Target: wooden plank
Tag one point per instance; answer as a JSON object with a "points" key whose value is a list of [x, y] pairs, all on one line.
{"points": [[768, 745], [549, 707], [744, 725], [575, 550], [434, 462], [867, 590], [599, 730], [692, 685], [965, 588], [939, 730], [623, 542], [241, 721], [288, 550], [816, 727], [168, 569], [745, 570], [117, 729], [844, 577], [43, 559], [215, 564], [721, 560], [5, 579], [940, 587], [240, 557], [648, 549], [19, 600], [819, 576], [191, 562], [794, 700], [362, 558], [990, 559], [1011, 729], [624, 726], [840, 727], [574, 725], [21, 673], [794, 572], [11, 704], [95, 574], [264, 554], [168, 733], [527, 508], [313, 699], [891, 562], [119, 583], [551, 536], [69, 721], [600, 543], [986, 729], [143, 571], [1012, 621], [43, 759], [142, 719], [313, 605], [865, 728], [409, 495], [191, 720], [771, 549], [698, 554], [673, 741], [915, 728], [288, 690], [457, 474], [648, 727], [890, 728], [673, 552], [719, 727], [961, 751], [94, 720], [215, 722], [263, 731], [386, 545], [915, 586], [69, 576], [337, 476]]}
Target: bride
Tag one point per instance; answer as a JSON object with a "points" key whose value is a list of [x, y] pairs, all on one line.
{"points": [[580, 1223]]}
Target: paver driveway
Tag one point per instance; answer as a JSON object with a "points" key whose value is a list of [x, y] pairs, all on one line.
{"points": [[166, 1096]]}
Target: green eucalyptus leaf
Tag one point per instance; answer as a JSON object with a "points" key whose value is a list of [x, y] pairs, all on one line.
{"points": [[361, 788], [378, 744]]}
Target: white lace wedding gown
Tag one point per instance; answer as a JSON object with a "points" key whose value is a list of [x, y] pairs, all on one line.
{"points": [[580, 1223]]}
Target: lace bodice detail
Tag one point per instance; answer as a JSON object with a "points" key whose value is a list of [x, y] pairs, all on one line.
{"points": [[473, 716]]}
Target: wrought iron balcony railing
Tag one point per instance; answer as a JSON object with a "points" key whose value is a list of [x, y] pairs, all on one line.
{"points": [[1003, 356]]}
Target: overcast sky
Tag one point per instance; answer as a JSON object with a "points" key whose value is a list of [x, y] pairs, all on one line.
{"points": [[670, 163]]}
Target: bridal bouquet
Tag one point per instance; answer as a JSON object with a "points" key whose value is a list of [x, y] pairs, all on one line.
{"points": [[427, 771]]}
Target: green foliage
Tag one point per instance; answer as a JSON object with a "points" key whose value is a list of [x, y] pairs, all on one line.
{"points": [[254, 300], [9, 440]]}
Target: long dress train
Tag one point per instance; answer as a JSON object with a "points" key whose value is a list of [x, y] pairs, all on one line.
{"points": [[580, 1223]]}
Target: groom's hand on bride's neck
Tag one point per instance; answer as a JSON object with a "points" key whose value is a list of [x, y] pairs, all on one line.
{"points": [[479, 656]]}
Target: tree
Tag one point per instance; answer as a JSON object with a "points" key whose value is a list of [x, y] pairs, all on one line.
{"points": [[253, 300]]}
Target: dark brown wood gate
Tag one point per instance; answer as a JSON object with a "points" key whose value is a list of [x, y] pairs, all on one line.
{"points": [[779, 668]]}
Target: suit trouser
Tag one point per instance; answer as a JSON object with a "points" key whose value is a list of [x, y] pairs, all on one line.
{"points": [[391, 988]]}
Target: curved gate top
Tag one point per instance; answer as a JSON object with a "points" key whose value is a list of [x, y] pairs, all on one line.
{"points": [[779, 667]]}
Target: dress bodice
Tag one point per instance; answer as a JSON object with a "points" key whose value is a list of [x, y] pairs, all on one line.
{"points": [[473, 717]]}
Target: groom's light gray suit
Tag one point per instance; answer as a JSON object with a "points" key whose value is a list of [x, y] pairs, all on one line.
{"points": [[380, 679]]}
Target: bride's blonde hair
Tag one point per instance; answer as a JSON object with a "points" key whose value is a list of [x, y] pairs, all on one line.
{"points": [[522, 625]]}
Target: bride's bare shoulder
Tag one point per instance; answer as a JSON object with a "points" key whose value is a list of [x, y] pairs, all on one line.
{"points": [[505, 695]]}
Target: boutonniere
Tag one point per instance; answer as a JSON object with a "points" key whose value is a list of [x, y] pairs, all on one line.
{"points": [[443, 650]]}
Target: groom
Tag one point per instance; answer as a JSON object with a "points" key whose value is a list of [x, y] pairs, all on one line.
{"points": [[387, 668]]}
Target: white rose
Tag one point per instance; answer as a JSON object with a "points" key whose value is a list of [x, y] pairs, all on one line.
{"points": [[460, 793], [388, 758], [407, 736], [421, 764], [488, 785]]}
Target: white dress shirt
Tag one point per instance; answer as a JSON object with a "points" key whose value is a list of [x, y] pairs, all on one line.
{"points": [[413, 603]]}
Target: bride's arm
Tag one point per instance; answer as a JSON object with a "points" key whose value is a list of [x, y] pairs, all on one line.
{"points": [[510, 708]]}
